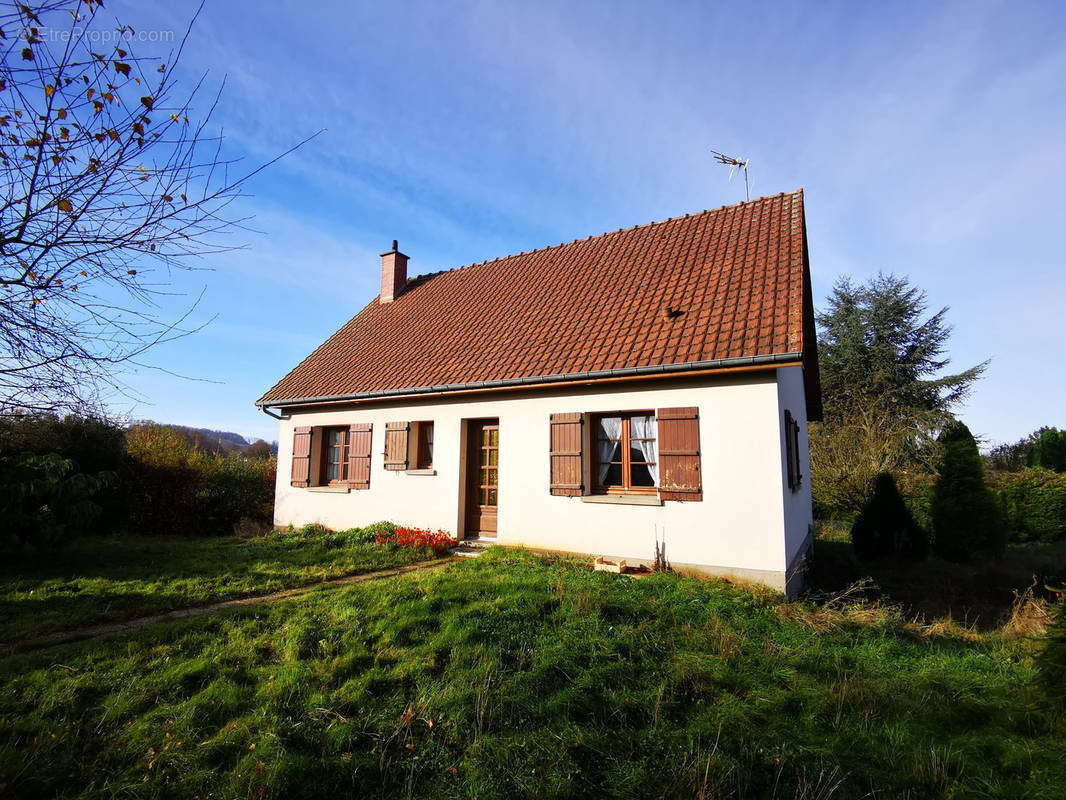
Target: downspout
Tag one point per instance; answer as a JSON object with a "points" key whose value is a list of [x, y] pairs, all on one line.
{"points": [[269, 413]]}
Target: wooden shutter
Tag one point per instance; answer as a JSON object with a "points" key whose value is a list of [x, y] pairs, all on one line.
{"points": [[396, 434], [301, 457], [359, 438], [679, 454], [795, 478], [565, 449]]}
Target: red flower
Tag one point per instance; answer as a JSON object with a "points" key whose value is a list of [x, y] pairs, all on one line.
{"points": [[418, 538]]}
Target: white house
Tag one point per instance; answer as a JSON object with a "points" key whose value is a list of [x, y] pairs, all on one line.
{"points": [[591, 397]]}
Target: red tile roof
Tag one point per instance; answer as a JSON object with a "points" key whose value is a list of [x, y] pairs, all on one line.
{"points": [[736, 279]]}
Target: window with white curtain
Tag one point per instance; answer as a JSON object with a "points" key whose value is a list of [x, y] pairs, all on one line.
{"points": [[626, 454]]}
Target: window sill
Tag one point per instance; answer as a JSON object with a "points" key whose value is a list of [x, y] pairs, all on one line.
{"points": [[623, 499], [329, 489], [420, 472]]}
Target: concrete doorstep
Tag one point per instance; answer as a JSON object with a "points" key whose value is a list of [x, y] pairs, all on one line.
{"points": [[472, 548]]}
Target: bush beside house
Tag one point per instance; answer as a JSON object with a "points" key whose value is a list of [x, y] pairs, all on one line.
{"points": [[177, 488], [966, 516], [1051, 662], [42, 498], [74, 475], [1033, 502], [1030, 502], [886, 528]]}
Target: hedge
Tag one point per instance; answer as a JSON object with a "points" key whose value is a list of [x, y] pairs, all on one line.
{"points": [[176, 488], [1033, 502], [62, 477]]}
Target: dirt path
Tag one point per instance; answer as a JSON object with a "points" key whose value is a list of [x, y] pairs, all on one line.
{"points": [[59, 639]]}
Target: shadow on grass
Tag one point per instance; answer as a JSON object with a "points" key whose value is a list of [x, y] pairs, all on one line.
{"points": [[157, 557], [96, 580], [981, 594]]}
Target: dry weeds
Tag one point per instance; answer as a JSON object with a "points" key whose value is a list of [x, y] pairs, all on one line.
{"points": [[859, 604], [1029, 614]]}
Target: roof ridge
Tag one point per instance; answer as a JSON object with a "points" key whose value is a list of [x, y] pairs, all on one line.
{"points": [[691, 215]]}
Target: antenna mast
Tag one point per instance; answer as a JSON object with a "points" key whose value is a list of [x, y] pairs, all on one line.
{"points": [[735, 164]]}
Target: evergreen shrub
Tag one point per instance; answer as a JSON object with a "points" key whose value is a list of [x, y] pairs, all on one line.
{"points": [[1033, 502], [966, 517], [885, 527], [1051, 662], [1049, 450]]}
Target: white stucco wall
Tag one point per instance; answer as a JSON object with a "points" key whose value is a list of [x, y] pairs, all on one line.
{"points": [[797, 504], [738, 528]]}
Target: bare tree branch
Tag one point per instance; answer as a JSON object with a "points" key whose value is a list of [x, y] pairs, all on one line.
{"points": [[110, 182]]}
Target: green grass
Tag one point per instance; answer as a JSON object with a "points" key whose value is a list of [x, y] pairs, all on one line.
{"points": [[983, 593], [97, 580], [518, 676]]}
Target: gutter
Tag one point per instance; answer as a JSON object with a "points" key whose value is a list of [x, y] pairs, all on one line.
{"points": [[665, 370]]}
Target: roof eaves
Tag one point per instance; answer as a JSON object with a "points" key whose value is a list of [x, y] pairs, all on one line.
{"points": [[533, 380]]}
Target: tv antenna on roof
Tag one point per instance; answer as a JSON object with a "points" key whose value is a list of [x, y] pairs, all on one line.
{"points": [[734, 164]]}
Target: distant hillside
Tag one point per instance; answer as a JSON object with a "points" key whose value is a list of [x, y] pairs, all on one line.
{"points": [[212, 441]]}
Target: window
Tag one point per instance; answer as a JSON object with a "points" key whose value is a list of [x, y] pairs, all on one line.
{"points": [[625, 452], [334, 455], [423, 446], [409, 446], [792, 452]]}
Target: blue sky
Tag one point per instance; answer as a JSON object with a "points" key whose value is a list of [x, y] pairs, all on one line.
{"points": [[929, 139]]}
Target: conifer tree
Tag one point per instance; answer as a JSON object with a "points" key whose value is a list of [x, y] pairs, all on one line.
{"points": [[886, 528], [1051, 662], [966, 517], [882, 359], [875, 345]]}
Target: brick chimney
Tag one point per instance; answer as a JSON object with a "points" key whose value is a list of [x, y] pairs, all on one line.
{"points": [[393, 274]]}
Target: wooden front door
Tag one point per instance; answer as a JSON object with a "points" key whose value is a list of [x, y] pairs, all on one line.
{"points": [[483, 478]]}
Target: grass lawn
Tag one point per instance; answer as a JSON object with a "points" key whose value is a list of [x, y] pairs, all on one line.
{"points": [[96, 580], [982, 594], [517, 676]]}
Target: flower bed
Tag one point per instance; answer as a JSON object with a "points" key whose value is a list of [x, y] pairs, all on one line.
{"points": [[417, 538]]}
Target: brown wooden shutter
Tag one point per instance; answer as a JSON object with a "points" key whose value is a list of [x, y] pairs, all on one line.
{"points": [[679, 454], [359, 439], [396, 434], [301, 457], [789, 457], [795, 477], [566, 455]]}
